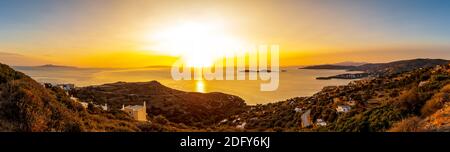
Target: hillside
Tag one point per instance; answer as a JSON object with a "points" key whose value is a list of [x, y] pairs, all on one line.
{"points": [[374, 104], [28, 106], [435, 115], [439, 121], [190, 108], [400, 66]]}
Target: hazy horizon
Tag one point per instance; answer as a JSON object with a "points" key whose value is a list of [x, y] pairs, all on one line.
{"points": [[43, 63]]}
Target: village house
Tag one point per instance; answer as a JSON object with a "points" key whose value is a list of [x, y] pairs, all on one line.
{"points": [[343, 108], [241, 126], [66, 87], [223, 121], [104, 107], [320, 122], [291, 102], [306, 119], [422, 83], [298, 109], [84, 104], [138, 112]]}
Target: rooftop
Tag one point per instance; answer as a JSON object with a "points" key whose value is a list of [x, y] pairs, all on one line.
{"points": [[135, 107]]}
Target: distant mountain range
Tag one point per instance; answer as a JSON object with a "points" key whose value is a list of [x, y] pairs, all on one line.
{"points": [[350, 63], [63, 67], [384, 68], [46, 66]]}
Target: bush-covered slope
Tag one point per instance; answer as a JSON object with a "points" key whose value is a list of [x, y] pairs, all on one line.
{"points": [[26, 105], [190, 108], [376, 104]]}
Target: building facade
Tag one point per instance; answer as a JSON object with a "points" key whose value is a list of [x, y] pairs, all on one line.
{"points": [[138, 112]]}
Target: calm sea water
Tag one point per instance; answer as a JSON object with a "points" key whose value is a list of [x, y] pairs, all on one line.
{"points": [[293, 83]]}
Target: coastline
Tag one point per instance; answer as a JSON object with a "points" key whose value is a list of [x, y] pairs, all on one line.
{"points": [[293, 83]]}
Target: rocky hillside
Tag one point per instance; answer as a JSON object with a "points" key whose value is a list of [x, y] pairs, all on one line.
{"points": [[28, 106], [190, 108], [435, 115], [372, 104], [439, 121]]}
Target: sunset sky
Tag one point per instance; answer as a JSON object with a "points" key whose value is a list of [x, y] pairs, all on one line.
{"points": [[118, 33]]}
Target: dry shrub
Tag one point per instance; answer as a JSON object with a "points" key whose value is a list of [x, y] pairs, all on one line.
{"points": [[436, 102], [446, 88], [410, 124]]}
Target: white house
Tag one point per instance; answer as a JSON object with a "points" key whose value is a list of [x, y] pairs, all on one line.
{"points": [[84, 104], [306, 119], [224, 121], [138, 112], [104, 107], [241, 126], [298, 109], [66, 87], [320, 122], [423, 83], [343, 108]]}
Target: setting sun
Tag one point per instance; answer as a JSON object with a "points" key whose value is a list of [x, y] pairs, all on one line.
{"points": [[199, 44]]}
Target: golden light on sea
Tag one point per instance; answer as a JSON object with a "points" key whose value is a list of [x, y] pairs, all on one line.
{"points": [[200, 86]]}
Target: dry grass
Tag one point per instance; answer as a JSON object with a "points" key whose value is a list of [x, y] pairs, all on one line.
{"points": [[436, 102], [410, 124]]}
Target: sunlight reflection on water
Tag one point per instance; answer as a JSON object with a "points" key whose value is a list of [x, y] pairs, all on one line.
{"points": [[200, 86]]}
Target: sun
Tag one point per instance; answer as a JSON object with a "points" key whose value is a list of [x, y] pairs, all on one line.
{"points": [[199, 44]]}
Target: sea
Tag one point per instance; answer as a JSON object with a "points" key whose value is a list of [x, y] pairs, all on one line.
{"points": [[293, 82]]}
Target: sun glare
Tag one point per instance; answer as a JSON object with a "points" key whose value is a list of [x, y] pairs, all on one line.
{"points": [[198, 44], [200, 86]]}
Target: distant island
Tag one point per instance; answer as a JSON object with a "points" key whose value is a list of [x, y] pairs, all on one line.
{"points": [[345, 76], [48, 66], [247, 71]]}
